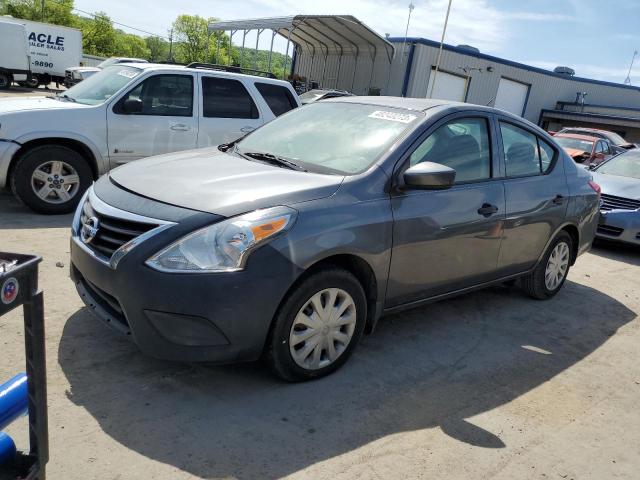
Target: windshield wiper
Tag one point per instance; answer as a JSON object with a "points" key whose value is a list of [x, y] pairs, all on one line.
{"points": [[67, 97], [274, 159]]}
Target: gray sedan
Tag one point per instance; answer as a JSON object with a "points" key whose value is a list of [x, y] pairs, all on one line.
{"points": [[619, 179], [294, 241]]}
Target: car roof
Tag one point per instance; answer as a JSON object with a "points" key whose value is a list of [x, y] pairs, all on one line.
{"points": [[182, 68], [578, 136], [420, 104], [587, 129]]}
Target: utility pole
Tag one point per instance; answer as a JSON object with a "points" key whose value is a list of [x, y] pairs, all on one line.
{"points": [[406, 31], [171, 45], [627, 81], [42, 11], [444, 30]]}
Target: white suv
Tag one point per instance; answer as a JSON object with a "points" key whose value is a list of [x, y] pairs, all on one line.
{"points": [[52, 148]]}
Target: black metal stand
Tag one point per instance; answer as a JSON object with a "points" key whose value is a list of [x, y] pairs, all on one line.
{"points": [[19, 286]]}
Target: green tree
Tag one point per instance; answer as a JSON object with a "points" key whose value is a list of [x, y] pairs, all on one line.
{"points": [[158, 49], [98, 36], [190, 35], [129, 45], [58, 12]]}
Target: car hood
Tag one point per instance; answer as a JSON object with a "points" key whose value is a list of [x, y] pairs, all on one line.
{"points": [[15, 104], [619, 186], [211, 181]]}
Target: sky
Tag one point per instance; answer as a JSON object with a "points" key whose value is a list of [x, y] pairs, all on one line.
{"points": [[594, 37]]}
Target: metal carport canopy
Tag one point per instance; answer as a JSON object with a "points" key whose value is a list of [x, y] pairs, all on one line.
{"points": [[317, 34]]}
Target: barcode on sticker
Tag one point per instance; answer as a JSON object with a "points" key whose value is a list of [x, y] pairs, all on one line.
{"points": [[393, 116]]}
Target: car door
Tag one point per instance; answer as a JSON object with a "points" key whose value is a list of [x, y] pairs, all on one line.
{"points": [[447, 240], [229, 110], [158, 115], [536, 195]]}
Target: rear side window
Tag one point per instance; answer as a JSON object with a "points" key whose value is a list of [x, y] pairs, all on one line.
{"points": [[547, 154], [279, 99], [225, 98], [521, 151], [460, 144]]}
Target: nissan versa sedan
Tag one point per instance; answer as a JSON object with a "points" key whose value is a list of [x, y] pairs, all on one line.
{"points": [[619, 179], [293, 241]]}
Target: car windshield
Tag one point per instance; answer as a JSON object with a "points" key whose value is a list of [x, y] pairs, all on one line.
{"points": [[575, 143], [103, 85], [339, 138], [624, 165]]}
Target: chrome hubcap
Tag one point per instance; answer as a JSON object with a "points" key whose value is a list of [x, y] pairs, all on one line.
{"points": [[557, 266], [55, 182], [322, 329]]}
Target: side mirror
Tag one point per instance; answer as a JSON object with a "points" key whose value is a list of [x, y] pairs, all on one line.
{"points": [[132, 105], [429, 176], [592, 166]]}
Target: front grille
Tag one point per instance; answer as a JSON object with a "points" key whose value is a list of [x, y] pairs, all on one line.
{"points": [[611, 202], [610, 230], [112, 232]]}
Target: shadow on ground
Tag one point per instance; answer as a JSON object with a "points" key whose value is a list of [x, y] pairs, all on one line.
{"points": [[14, 214], [430, 367], [620, 252]]}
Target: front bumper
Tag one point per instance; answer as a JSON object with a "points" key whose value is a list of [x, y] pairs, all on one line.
{"points": [[619, 226], [7, 150], [212, 317]]}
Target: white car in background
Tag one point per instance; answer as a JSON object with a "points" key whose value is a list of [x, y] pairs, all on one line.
{"points": [[53, 148], [74, 75]]}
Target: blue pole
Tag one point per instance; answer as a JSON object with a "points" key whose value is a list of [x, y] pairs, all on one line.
{"points": [[14, 399], [7, 449]]}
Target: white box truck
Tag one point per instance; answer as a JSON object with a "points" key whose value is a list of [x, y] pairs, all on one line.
{"points": [[51, 48], [14, 54]]}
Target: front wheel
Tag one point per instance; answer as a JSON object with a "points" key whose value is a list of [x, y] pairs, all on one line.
{"points": [[51, 179], [318, 326], [550, 274]]}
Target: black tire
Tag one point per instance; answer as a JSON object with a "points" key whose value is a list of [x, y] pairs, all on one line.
{"points": [[21, 177], [277, 352], [534, 283], [5, 80]]}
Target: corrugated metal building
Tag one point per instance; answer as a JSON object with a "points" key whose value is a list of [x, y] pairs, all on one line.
{"points": [[549, 99]]}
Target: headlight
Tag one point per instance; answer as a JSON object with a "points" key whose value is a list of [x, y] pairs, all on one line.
{"points": [[224, 246]]}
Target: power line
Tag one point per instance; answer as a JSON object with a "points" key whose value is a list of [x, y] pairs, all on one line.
{"points": [[112, 21]]}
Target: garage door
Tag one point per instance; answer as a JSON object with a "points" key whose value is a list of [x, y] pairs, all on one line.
{"points": [[511, 96], [448, 86]]}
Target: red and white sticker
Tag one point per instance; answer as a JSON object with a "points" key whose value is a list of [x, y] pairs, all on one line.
{"points": [[393, 116], [10, 289]]}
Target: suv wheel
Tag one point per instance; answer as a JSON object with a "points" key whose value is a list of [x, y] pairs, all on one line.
{"points": [[549, 275], [51, 178], [318, 326], [5, 80]]}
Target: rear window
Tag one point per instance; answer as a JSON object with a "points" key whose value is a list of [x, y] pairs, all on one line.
{"points": [[225, 98], [279, 99]]}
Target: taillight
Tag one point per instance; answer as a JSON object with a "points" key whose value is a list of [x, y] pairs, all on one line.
{"points": [[595, 186]]}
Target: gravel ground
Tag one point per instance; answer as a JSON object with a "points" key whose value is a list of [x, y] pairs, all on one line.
{"points": [[489, 385]]}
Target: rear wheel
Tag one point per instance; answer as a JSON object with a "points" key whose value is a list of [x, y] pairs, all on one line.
{"points": [[5, 80], [318, 326], [550, 274], [51, 179]]}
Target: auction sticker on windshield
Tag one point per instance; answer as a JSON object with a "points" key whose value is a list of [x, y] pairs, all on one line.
{"points": [[127, 73], [393, 116]]}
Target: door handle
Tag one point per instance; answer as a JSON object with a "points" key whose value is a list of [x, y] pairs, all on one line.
{"points": [[558, 200], [247, 129], [181, 127], [486, 210]]}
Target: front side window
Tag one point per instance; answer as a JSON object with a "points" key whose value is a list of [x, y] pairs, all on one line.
{"points": [[226, 98], [601, 147], [334, 138], [462, 145], [162, 95], [279, 99], [521, 153]]}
